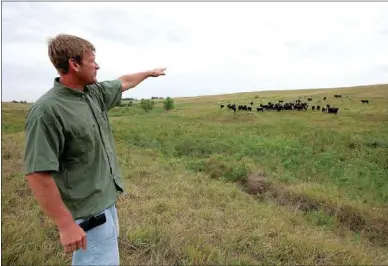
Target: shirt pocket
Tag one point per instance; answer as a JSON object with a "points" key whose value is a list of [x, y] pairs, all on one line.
{"points": [[80, 141], [84, 139]]}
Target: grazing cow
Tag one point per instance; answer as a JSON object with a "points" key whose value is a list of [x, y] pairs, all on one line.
{"points": [[260, 109], [249, 108], [313, 107], [251, 103], [242, 107], [318, 107], [309, 99], [365, 101], [332, 110], [222, 106], [232, 107], [324, 98], [323, 109]]}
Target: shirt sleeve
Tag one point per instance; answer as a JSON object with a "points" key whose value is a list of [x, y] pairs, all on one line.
{"points": [[108, 92], [44, 144]]}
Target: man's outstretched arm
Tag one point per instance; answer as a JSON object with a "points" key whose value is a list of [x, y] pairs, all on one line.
{"points": [[130, 81], [110, 92]]}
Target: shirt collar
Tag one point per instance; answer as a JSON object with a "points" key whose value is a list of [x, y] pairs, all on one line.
{"points": [[62, 89]]}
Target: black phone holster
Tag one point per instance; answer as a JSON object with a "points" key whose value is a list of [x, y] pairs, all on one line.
{"points": [[93, 222]]}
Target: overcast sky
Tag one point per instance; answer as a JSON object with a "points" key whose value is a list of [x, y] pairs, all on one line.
{"points": [[208, 48]]}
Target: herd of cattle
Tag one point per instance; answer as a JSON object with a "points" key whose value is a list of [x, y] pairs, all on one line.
{"points": [[280, 106]]}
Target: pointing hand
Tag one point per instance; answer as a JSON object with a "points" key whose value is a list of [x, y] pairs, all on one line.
{"points": [[158, 72]]}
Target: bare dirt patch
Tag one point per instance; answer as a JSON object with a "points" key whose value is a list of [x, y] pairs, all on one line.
{"points": [[374, 227], [257, 184]]}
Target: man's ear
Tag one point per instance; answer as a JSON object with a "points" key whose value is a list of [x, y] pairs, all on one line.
{"points": [[73, 65]]}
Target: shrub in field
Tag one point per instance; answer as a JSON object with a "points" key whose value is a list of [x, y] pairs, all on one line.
{"points": [[168, 104], [147, 105]]}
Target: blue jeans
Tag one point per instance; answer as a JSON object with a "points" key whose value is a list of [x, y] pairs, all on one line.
{"points": [[102, 242]]}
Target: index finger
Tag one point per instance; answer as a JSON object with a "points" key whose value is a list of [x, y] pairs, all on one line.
{"points": [[84, 242]]}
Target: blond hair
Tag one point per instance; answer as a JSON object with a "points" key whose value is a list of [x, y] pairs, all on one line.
{"points": [[64, 47]]}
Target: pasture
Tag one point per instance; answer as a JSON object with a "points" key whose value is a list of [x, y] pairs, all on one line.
{"points": [[207, 185]]}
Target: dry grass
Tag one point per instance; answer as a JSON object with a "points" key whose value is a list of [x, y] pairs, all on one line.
{"points": [[207, 186]]}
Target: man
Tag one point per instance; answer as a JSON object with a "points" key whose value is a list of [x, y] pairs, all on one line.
{"points": [[70, 158]]}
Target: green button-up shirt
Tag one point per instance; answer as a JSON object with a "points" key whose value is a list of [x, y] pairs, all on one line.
{"points": [[68, 134]]}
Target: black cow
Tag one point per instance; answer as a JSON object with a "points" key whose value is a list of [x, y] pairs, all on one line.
{"points": [[232, 107], [332, 110]]}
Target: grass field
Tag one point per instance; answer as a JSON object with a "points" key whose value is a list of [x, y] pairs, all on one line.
{"points": [[210, 186]]}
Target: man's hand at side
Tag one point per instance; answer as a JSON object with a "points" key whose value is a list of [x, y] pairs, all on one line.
{"points": [[45, 191], [72, 237]]}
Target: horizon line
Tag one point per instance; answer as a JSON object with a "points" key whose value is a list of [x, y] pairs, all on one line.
{"points": [[242, 92]]}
